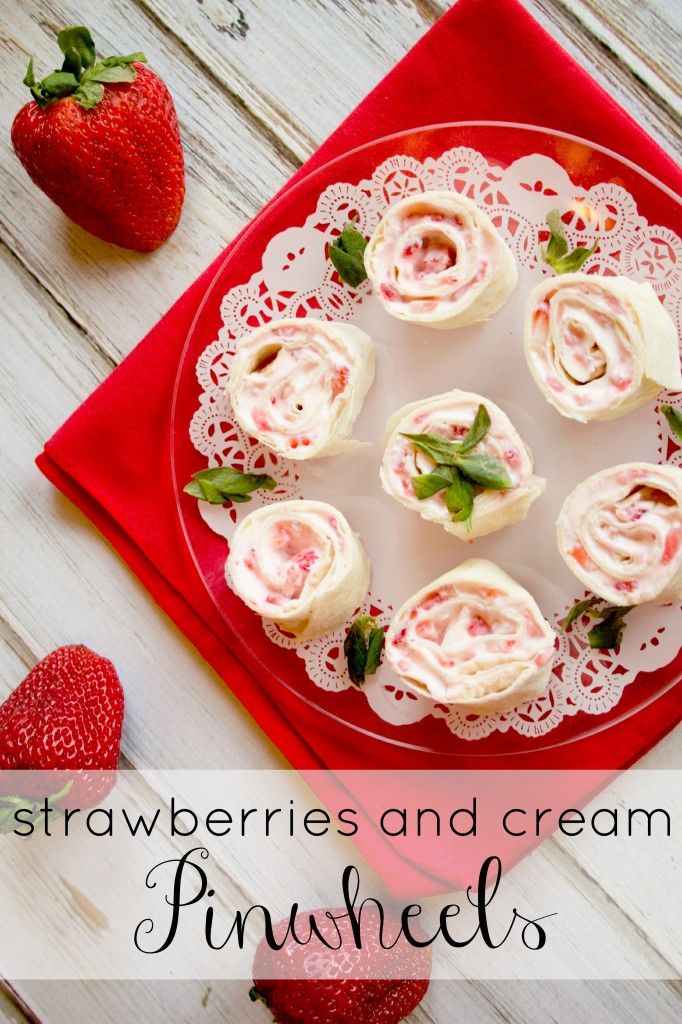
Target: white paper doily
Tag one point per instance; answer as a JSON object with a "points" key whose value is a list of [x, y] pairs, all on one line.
{"points": [[297, 279]]}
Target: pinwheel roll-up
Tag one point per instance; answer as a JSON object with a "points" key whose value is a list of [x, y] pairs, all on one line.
{"points": [[298, 385], [598, 347], [620, 532], [499, 485], [436, 259], [473, 638], [300, 564]]}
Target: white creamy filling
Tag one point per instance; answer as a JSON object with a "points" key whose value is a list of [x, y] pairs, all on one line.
{"points": [[464, 641], [279, 563], [585, 344], [626, 532], [430, 259], [295, 385]]}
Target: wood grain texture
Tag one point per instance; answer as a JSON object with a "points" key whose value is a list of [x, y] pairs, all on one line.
{"points": [[254, 99]]}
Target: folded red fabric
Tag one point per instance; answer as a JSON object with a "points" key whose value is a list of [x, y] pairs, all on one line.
{"points": [[485, 60]]}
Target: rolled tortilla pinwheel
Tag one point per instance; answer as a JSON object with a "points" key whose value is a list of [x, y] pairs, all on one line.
{"points": [[300, 564], [298, 385], [620, 532], [473, 638], [450, 416], [598, 347], [436, 259]]}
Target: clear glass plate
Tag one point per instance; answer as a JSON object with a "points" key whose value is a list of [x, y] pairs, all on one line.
{"points": [[413, 363]]}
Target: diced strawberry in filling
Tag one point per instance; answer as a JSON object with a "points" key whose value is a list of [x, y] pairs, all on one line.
{"points": [[297, 442], [637, 514], [580, 555], [410, 249], [274, 599], [626, 586], [388, 293], [399, 639], [260, 421], [541, 311], [555, 384], [672, 546], [340, 380], [478, 627], [306, 559], [622, 383], [513, 456], [248, 564], [426, 630], [542, 658]]}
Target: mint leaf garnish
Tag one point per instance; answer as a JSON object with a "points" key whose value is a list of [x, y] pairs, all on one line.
{"points": [[556, 254], [457, 470], [224, 483], [346, 253], [674, 419], [362, 648], [438, 448], [486, 471], [460, 499], [427, 484], [477, 431], [609, 633], [577, 610]]}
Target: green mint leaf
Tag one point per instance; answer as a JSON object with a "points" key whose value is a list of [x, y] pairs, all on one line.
{"points": [[460, 499], [346, 253], [113, 73], [29, 77], [77, 37], [72, 62], [195, 489], [88, 94], [351, 240], [573, 262], [477, 431], [362, 648], [556, 254], [224, 483], [436, 447], [486, 471], [609, 633], [59, 83], [110, 62], [427, 484], [374, 648], [558, 243], [581, 608], [674, 419]]}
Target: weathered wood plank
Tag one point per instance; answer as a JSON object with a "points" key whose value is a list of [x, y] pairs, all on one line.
{"points": [[610, 57], [61, 581]]}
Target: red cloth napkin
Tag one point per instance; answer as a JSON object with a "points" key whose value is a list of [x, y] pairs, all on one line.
{"points": [[483, 60]]}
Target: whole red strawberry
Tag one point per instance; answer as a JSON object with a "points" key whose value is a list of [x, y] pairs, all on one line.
{"points": [[311, 984], [101, 140], [63, 723]]}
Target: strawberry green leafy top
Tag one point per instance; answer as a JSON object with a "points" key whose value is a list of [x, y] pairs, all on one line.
{"points": [[79, 75]]}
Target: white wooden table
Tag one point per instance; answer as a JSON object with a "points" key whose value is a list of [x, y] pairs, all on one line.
{"points": [[247, 77]]}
